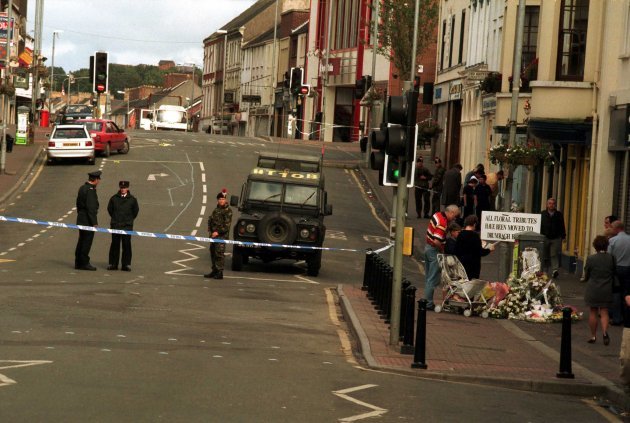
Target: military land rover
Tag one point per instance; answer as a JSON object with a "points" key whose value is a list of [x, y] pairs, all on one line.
{"points": [[283, 202]]}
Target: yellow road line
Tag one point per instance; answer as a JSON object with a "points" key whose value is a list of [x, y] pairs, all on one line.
{"points": [[346, 346]]}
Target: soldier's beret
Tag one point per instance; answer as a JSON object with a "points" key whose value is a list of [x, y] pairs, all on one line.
{"points": [[222, 194], [123, 184], [96, 174]]}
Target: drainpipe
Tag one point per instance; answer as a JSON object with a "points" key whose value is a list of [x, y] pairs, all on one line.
{"points": [[594, 143]]}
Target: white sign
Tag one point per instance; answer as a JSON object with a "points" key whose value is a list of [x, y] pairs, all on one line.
{"points": [[500, 226]]}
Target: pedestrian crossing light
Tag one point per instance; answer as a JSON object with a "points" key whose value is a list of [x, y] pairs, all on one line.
{"points": [[297, 80], [392, 170], [100, 78]]}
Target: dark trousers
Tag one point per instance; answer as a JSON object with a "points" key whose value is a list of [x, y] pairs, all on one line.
{"points": [[114, 250], [423, 198], [616, 311], [82, 252], [435, 201]]}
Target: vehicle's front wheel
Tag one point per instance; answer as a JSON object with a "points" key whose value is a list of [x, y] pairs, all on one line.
{"points": [[106, 150], [125, 148], [237, 259], [314, 263]]}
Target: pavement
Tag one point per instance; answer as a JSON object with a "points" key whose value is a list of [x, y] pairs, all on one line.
{"points": [[504, 353]]}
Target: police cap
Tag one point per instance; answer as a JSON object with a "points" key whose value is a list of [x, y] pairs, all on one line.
{"points": [[123, 184], [95, 175]]}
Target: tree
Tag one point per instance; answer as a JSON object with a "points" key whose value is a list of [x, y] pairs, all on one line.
{"points": [[396, 31]]}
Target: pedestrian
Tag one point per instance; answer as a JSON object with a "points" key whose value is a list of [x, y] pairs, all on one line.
{"points": [[435, 242], [493, 180], [599, 275], [624, 352], [219, 224], [452, 186], [437, 185], [619, 248], [480, 168], [469, 249], [468, 196], [87, 211], [552, 227], [123, 210], [452, 232], [421, 189], [483, 193], [608, 220]]}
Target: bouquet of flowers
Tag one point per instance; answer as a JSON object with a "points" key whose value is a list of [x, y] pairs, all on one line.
{"points": [[521, 154]]}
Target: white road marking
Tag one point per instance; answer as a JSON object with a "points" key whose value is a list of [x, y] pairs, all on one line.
{"points": [[12, 364], [377, 411], [369, 203], [190, 257], [198, 224]]}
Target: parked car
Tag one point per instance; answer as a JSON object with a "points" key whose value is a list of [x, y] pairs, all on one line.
{"points": [[107, 136], [70, 141], [72, 112]]}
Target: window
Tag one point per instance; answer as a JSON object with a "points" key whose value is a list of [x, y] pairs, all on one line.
{"points": [[346, 24], [443, 47], [450, 48], [572, 40], [302, 195], [265, 191], [462, 26], [530, 36], [625, 45]]}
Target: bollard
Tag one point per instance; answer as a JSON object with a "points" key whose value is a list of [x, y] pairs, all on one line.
{"points": [[387, 296], [367, 270], [421, 334], [565, 346], [403, 308], [410, 299]]}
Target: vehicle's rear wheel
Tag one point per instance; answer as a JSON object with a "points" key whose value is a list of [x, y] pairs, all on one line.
{"points": [[314, 263], [107, 150], [237, 259], [277, 228], [125, 148]]}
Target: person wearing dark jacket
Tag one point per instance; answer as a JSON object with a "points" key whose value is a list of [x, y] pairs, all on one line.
{"points": [[552, 227], [123, 209], [469, 249], [87, 211], [452, 185]]}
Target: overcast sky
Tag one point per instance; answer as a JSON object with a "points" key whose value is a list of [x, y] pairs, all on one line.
{"points": [[132, 31]]}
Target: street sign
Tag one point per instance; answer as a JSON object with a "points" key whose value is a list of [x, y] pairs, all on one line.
{"points": [[500, 226]]}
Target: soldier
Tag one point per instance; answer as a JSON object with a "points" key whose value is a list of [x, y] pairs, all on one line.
{"points": [[87, 210], [219, 224], [123, 209]]}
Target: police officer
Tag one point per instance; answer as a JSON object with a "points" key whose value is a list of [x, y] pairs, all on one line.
{"points": [[219, 224], [123, 209], [87, 209]]}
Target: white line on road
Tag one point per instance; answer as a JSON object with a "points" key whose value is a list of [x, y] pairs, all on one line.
{"points": [[4, 380], [377, 411]]}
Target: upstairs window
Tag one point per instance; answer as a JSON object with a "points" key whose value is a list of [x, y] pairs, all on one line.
{"points": [[572, 40]]}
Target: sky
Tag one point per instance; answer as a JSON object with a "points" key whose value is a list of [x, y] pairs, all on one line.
{"points": [[132, 31]]}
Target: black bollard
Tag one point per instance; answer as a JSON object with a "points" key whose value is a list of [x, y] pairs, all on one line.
{"points": [[410, 299], [403, 308], [367, 270], [421, 335], [565, 346]]}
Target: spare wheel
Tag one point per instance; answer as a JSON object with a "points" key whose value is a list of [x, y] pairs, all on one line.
{"points": [[277, 228]]}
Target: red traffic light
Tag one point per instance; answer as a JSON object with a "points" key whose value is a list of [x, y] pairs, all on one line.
{"points": [[100, 88], [305, 90]]}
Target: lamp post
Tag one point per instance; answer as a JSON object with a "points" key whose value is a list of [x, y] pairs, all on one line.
{"points": [[6, 101], [52, 71], [223, 31], [127, 115]]}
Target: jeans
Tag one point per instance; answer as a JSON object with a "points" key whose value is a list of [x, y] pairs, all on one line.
{"points": [[431, 273], [553, 248]]}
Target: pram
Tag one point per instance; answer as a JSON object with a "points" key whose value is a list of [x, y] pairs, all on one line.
{"points": [[459, 292]]}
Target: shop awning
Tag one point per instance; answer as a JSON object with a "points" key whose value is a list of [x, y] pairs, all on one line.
{"points": [[561, 131]]}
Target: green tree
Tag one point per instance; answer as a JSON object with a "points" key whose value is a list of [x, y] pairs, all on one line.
{"points": [[396, 31]]}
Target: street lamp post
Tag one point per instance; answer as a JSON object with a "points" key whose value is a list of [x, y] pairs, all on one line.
{"points": [[52, 71]]}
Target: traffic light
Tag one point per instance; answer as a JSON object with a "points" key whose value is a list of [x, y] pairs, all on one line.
{"points": [[305, 90], [101, 66], [392, 170], [297, 80], [361, 86], [286, 82]]}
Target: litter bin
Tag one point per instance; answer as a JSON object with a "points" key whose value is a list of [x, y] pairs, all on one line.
{"points": [[44, 118], [529, 239]]}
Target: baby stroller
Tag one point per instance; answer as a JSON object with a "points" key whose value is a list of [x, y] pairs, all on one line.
{"points": [[459, 292]]}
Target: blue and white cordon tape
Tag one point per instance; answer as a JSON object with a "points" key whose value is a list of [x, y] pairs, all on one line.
{"points": [[179, 237]]}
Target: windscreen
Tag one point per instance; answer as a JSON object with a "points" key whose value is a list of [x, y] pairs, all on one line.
{"points": [[170, 116], [70, 133], [94, 126], [265, 191], [301, 195]]}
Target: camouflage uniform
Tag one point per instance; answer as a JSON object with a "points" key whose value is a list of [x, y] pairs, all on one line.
{"points": [[219, 221]]}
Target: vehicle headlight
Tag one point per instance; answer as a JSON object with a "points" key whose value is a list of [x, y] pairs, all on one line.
{"points": [[251, 228], [304, 233]]}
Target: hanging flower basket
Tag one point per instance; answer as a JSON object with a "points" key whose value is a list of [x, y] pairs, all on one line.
{"points": [[491, 83], [7, 89], [428, 129], [520, 154]]}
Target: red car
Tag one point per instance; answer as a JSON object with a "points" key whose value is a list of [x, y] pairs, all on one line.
{"points": [[106, 135]]}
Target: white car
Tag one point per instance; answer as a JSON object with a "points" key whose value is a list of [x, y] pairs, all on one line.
{"points": [[68, 142]]}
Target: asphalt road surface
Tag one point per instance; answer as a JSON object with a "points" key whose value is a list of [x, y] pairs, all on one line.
{"points": [[161, 343]]}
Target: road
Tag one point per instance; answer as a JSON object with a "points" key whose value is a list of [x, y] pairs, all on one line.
{"points": [[162, 343]]}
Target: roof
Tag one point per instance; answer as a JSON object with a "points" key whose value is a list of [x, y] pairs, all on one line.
{"points": [[261, 39], [301, 29], [239, 21]]}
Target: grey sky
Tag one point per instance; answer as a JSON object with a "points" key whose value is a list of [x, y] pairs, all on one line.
{"points": [[132, 31]]}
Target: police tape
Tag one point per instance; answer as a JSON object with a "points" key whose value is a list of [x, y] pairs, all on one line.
{"points": [[179, 237]]}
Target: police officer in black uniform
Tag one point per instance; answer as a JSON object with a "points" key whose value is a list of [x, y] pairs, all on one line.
{"points": [[87, 209], [123, 209]]}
